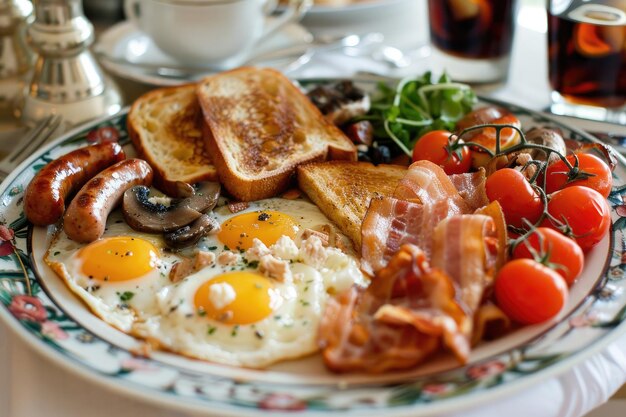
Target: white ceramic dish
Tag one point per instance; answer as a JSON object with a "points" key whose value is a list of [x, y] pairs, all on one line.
{"points": [[362, 8], [125, 42], [36, 304]]}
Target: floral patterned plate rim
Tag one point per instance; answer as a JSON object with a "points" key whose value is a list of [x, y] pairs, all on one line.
{"points": [[594, 319]]}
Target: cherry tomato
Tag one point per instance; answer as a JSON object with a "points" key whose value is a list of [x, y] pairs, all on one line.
{"points": [[560, 250], [516, 196], [529, 292], [601, 179], [432, 147], [586, 212]]}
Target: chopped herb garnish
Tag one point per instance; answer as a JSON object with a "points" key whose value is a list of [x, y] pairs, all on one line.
{"points": [[304, 303], [126, 296], [235, 329], [212, 247], [211, 330]]}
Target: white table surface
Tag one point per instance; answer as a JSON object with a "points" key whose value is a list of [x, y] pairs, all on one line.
{"points": [[32, 386]]}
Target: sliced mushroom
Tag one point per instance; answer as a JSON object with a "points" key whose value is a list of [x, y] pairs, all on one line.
{"points": [[205, 197], [184, 189], [143, 215], [340, 102], [546, 137], [191, 234]]}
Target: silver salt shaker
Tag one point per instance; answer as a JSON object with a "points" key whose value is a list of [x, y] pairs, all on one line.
{"points": [[16, 57], [66, 79]]}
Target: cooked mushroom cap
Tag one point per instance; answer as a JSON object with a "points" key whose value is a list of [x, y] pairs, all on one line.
{"points": [[205, 197], [189, 235], [547, 137], [145, 216]]}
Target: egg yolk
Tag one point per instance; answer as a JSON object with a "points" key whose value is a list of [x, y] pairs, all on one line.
{"points": [[254, 298], [267, 226], [119, 258]]}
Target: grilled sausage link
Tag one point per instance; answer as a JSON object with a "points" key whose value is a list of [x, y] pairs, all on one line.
{"points": [[86, 216], [44, 200]]}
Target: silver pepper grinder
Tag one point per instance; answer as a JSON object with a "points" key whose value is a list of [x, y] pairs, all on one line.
{"points": [[66, 79], [16, 57]]}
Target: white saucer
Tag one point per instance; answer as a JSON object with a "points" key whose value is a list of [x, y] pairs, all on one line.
{"points": [[123, 45]]}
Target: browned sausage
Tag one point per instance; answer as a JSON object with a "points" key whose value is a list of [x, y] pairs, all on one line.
{"points": [[44, 200], [86, 216]]}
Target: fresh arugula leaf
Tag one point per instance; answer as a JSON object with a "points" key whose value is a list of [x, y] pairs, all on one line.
{"points": [[417, 106]]}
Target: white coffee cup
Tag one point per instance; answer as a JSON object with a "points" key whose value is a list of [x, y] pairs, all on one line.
{"points": [[213, 33]]}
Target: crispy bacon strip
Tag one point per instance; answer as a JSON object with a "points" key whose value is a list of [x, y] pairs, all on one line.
{"points": [[471, 187], [397, 322], [494, 210], [466, 248], [424, 197], [390, 223], [425, 183], [489, 323]]}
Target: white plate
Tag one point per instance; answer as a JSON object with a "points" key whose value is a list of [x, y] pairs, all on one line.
{"points": [[36, 304], [367, 12], [370, 7], [403, 22], [125, 42]]}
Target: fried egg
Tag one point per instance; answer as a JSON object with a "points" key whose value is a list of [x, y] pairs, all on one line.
{"points": [[258, 303], [266, 220], [117, 275], [240, 316]]}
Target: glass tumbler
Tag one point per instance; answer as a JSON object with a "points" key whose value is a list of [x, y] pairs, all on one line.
{"points": [[473, 38]]}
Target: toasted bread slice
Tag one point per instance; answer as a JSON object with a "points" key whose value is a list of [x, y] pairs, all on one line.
{"points": [[343, 190], [259, 127], [165, 125]]}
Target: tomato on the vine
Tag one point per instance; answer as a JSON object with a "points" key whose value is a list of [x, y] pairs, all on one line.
{"points": [[559, 251], [584, 210], [529, 292], [516, 196], [433, 147], [600, 179]]}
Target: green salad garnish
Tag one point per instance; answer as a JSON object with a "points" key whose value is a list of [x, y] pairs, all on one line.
{"points": [[417, 106]]}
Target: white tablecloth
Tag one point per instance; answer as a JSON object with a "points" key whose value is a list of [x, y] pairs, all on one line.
{"points": [[31, 386]]}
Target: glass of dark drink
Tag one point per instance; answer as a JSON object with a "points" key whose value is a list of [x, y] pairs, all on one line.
{"points": [[473, 38], [587, 58]]}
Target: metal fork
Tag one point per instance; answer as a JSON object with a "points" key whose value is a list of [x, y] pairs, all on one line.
{"points": [[36, 137]]}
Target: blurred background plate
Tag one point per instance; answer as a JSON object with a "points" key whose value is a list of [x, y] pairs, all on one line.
{"points": [[358, 8], [403, 22]]}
